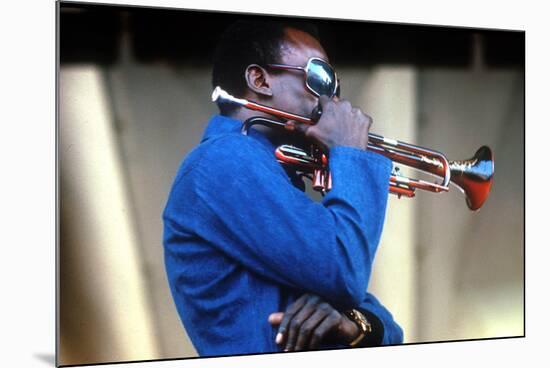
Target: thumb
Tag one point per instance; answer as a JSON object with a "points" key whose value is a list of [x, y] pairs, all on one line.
{"points": [[302, 128], [294, 126], [276, 318], [290, 125]]}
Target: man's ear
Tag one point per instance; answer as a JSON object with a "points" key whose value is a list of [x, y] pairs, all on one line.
{"points": [[257, 80]]}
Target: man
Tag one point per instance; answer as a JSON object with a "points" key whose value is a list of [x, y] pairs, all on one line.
{"points": [[253, 263]]}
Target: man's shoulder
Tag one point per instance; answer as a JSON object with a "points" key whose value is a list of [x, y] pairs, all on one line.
{"points": [[223, 152], [219, 160], [235, 144]]}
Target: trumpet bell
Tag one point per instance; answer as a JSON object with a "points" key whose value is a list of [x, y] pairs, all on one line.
{"points": [[474, 176]]}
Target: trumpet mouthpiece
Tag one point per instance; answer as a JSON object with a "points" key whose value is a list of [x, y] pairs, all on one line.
{"points": [[221, 96], [216, 93]]}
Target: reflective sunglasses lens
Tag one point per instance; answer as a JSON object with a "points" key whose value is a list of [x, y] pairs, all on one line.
{"points": [[321, 78]]}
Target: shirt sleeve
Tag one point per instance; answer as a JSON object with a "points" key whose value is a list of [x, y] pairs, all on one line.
{"points": [[242, 202], [386, 331]]}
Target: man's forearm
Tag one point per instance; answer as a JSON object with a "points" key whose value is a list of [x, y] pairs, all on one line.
{"points": [[386, 331]]}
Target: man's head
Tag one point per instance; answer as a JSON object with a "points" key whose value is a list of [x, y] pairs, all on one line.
{"points": [[243, 59]]}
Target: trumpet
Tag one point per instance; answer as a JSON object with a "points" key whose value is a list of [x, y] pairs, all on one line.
{"points": [[474, 177]]}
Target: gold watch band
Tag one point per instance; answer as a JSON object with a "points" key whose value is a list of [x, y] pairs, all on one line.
{"points": [[363, 324]]}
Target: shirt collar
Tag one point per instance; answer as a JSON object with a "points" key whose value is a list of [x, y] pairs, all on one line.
{"points": [[220, 124]]}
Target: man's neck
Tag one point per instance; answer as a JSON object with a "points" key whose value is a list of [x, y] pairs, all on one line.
{"points": [[242, 114]]}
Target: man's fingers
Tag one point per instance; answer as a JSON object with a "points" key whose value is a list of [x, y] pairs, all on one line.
{"points": [[300, 127], [308, 327], [276, 318], [323, 100], [306, 323], [288, 314], [295, 324], [327, 325], [290, 125]]}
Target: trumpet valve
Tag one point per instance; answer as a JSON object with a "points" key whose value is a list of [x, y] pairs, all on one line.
{"points": [[318, 180], [329, 181]]}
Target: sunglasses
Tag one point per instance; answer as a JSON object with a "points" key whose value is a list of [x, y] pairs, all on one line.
{"points": [[320, 77]]}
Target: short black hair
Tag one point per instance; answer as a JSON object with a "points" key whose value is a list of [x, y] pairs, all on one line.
{"points": [[248, 42]]}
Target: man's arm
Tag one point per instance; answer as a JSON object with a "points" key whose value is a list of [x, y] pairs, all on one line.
{"points": [[391, 331], [310, 322]]}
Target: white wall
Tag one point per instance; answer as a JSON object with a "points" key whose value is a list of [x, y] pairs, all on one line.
{"points": [[105, 312], [471, 264]]}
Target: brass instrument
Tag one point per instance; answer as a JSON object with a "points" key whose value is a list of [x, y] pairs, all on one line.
{"points": [[473, 177]]}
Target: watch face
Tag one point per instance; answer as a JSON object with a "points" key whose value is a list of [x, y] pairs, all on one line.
{"points": [[360, 319]]}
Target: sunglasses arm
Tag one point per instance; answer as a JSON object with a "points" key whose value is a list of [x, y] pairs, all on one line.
{"points": [[287, 67]]}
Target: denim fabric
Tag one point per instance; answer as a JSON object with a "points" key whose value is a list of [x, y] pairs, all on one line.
{"points": [[241, 241]]}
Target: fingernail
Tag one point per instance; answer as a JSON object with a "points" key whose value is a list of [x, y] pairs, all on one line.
{"points": [[279, 338]]}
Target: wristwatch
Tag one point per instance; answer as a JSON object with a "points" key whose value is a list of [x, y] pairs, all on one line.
{"points": [[361, 321]]}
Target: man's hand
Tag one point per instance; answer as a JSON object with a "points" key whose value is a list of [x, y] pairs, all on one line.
{"points": [[310, 321], [340, 125]]}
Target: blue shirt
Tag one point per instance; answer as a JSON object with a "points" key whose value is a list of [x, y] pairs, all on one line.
{"points": [[241, 241]]}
